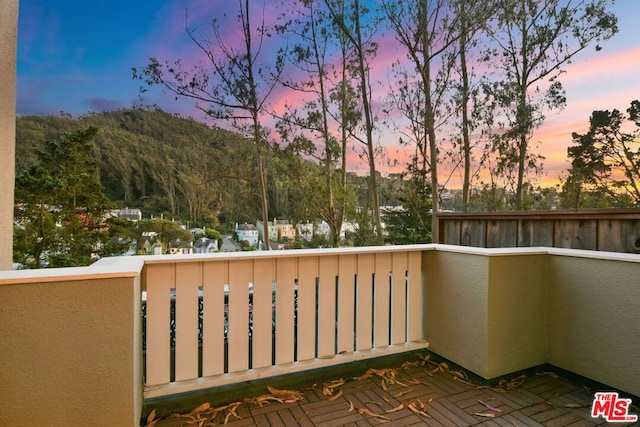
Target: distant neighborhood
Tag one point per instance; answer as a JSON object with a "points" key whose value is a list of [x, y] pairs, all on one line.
{"points": [[246, 236]]}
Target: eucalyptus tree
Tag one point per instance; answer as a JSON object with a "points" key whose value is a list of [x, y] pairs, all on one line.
{"points": [[319, 128], [531, 43], [474, 19], [430, 32], [234, 83], [349, 16]]}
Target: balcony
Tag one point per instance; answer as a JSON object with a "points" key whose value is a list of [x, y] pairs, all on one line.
{"points": [[74, 351]]}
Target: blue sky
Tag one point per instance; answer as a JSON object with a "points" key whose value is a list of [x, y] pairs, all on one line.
{"points": [[76, 56]]}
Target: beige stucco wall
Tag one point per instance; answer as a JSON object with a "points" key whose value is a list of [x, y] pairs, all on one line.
{"points": [[485, 313], [70, 352], [594, 319], [516, 316], [456, 317], [495, 312], [8, 38]]}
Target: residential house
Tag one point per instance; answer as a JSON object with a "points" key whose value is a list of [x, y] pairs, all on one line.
{"points": [[273, 230], [305, 231], [129, 214], [247, 232], [285, 230]]}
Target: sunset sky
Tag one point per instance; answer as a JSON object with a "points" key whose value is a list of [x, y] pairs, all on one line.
{"points": [[76, 56]]}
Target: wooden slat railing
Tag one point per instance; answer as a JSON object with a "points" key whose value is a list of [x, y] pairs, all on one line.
{"points": [[286, 312]]}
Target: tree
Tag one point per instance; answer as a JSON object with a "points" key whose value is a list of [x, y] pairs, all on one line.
{"points": [[348, 18], [411, 223], [606, 160], [234, 85], [60, 205], [533, 41], [432, 33], [329, 104]]}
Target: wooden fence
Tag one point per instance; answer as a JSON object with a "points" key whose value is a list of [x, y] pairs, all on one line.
{"points": [[613, 230]]}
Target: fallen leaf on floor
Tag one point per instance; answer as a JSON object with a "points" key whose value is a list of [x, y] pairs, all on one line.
{"points": [[336, 396], [417, 410], [396, 409], [491, 408], [486, 415], [365, 411]]}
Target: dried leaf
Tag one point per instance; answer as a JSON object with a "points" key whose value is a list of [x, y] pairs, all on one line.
{"points": [[204, 407], [412, 406], [277, 392], [365, 411], [383, 384], [336, 396], [396, 409], [486, 415], [491, 408], [575, 405], [351, 406], [151, 416], [402, 393]]}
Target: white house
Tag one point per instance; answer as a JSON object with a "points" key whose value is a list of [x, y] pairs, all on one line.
{"points": [[247, 232], [305, 231]]}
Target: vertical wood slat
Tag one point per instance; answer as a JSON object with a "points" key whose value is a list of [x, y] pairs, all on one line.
{"points": [[240, 274], [398, 298], [286, 269], [160, 280], [414, 298], [262, 337], [364, 298], [188, 278], [346, 303], [307, 273], [327, 272], [381, 300], [215, 275]]}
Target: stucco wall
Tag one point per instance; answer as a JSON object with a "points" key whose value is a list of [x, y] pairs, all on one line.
{"points": [[594, 319], [485, 313], [456, 318], [495, 312], [516, 313], [70, 353], [8, 37]]}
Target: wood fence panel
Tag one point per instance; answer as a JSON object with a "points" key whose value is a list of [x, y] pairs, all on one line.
{"points": [[307, 307], [613, 230], [189, 278], [262, 306], [382, 295], [364, 319], [346, 303], [240, 275], [502, 234], [535, 233], [327, 273], [473, 233], [286, 272], [160, 279], [215, 276]]}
